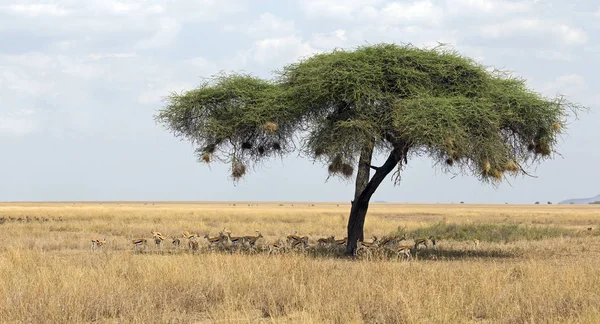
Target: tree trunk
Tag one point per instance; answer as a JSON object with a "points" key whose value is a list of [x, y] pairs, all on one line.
{"points": [[363, 174], [360, 205]]}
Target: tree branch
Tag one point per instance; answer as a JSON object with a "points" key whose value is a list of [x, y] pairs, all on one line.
{"points": [[525, 172], [372, 166]]}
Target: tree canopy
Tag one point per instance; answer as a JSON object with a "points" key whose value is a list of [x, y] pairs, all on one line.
{"points": [[344, 106], [436, 101]]}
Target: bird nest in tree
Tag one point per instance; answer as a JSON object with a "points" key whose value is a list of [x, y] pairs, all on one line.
{"points": [[238, 170], [513, 167], [541, 148], [205, 157], [556, 126], [246, 145], [276, 146], [271, 127], [209, 148], [337, 166]]}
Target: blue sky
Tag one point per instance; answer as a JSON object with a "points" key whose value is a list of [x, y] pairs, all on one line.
{"points": [[80, 82]]}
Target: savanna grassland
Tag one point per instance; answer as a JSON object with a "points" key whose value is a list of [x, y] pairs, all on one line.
{"points": [[534, 264]]}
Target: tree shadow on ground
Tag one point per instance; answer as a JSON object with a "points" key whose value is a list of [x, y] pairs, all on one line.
{"points": [[439, 254], [426, 254]]}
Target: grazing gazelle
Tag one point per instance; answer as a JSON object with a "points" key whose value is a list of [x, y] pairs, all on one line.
{"points": [[193, 244], [275, 247], [175, 241], [139, 242], [98, 243], [158, 238], [189, 235]]}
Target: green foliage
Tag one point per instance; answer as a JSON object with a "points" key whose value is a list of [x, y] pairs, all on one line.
{"points": [[235, 118], [490, 232], [432, 101]]}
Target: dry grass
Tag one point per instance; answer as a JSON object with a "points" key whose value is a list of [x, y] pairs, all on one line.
{"points": [[48, 273]]}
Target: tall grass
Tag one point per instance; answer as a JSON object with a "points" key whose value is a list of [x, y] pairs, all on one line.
{"points": [[533, 267], [491, 232]]}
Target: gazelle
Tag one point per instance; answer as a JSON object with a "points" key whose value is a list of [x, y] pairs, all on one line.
{"points": [[403, 250], [158, 238], [98, 243], [368, 247], [372, 244], [303, 243], [189, 235], [391, 240], [475, 244], [293, 237], [193, 244], [217, 240], [235, 240], [275, 247], [325, 241], [139, 242], [341, 242], [252, 239], [422, 241], [175, 241]]}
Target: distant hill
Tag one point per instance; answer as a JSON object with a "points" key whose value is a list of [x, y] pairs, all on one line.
{"points": [[581, 200]]}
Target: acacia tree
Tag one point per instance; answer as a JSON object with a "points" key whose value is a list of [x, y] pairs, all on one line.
{"points": [[344, 107]]}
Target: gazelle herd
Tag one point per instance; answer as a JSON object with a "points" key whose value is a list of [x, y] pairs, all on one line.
{"points": [[397, 245]]}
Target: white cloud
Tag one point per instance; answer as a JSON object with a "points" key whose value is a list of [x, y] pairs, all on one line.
{"points": [[286, 49], [327, 41], [535, 28], [18, 122], [568, 84], [554, 55], [269, 25], [166, 31], [336, 9], [154, 94], [157, 20], [34, 10], [570, 35], [495, 7], [100, 56], [423, 12]]}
